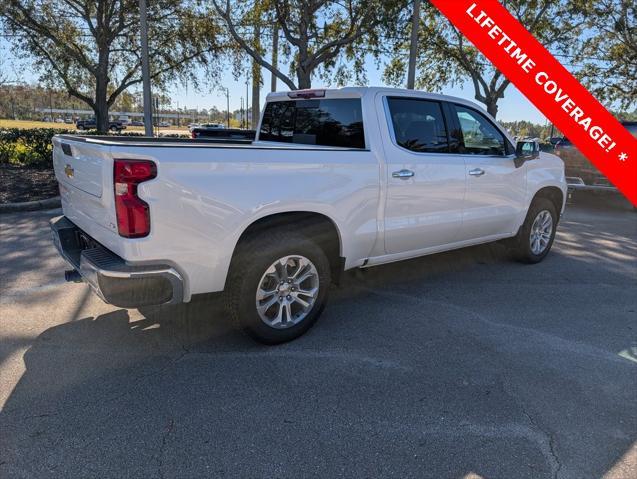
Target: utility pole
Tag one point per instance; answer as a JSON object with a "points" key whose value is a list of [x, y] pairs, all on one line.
{"points": [[241, 114], [247, 109], [256, 83], [228, 107], [275, 55], [413, 48], [148, 100]]}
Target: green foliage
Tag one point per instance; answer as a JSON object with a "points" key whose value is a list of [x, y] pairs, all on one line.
{"points": [[319, 39], [446, 58], [608, 56], [33, 147], [91, 48], [28, 147]]}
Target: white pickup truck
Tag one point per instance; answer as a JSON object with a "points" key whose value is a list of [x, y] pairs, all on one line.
{"points": [[335, 179]]}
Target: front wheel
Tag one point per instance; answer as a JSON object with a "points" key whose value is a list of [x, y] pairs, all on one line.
{"points": [[278, 286], [535, 238]]}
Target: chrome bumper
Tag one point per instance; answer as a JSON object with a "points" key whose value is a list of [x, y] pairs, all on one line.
{"points": [[110, 277]]}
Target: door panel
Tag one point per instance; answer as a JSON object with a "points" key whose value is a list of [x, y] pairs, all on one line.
{"points": [[425, 185], [494, 199], [496, 188]]}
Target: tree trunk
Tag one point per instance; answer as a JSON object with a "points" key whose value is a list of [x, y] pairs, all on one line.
{"points": [[101, 112], [492, 106], [101, 92], [304, 79]]}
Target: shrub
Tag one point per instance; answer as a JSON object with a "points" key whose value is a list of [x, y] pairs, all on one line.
{"points": [[32, 147], [27, 147]]}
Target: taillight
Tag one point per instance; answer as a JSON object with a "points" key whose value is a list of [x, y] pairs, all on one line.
{"points": [[133, 216], [193, 134]]}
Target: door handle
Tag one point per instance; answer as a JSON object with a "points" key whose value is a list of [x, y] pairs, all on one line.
{"points": [[477, 172], [402, 174]]}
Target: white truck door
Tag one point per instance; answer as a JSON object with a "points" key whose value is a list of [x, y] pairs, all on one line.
{"points": [[425, 181], [496, 187]]}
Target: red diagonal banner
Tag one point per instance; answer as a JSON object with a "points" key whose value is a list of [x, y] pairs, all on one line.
{"points": [[549, 86]]}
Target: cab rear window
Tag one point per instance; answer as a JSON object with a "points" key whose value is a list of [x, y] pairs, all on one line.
{"points": [[336, 122]]}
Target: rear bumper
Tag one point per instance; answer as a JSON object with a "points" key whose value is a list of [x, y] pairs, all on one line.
{"points": [[110, 277]]}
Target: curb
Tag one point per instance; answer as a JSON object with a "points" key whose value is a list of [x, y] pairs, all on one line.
{"points": [[31, 205]]}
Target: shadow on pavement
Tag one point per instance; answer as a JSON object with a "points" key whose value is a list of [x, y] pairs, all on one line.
{"points": [[407, 374]]}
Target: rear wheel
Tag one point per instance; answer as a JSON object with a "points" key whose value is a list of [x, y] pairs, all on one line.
{"points": [[278, 286], [535, 238]]}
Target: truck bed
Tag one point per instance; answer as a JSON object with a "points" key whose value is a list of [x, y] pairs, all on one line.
{"points": [[149, 142]]}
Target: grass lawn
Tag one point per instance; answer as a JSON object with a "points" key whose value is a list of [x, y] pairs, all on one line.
{"points": [[44, 124], [33, 124]]}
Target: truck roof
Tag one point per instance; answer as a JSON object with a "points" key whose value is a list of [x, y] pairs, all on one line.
{"points": [[362, 91]]}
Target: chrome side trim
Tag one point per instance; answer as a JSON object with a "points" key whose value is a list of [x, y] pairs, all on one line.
{"points": [[577, 183]]}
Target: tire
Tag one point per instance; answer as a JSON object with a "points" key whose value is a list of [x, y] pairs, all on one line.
{"points": [[114, 129], [524, 248], [258, 265]]}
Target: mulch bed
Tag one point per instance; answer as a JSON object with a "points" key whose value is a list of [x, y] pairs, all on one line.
{"points": [[19, 184]]}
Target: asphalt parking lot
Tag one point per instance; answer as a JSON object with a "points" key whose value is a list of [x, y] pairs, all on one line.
{"points": [[459, 365]]}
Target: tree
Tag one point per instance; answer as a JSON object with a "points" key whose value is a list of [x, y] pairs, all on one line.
{"points": [[445, 57], [609, 55], [91, 47], [316, 33]]}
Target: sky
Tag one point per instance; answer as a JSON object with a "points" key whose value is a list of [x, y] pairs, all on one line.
{"points": [[514, 106]]}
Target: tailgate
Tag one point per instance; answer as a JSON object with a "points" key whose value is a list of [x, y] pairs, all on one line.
{"points": [[84, 171], [78, 165]]}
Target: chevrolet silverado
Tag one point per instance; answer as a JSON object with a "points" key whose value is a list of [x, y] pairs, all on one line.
{"points": [[334, 180]]}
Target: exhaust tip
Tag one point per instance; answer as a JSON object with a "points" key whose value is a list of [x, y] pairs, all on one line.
{"points": [[72, 276]]}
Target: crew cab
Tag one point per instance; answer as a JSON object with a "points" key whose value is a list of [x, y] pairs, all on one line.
{"points": [[334, 180]]}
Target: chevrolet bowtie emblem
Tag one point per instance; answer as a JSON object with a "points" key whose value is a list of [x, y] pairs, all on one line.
{"points": [[69, 171]]}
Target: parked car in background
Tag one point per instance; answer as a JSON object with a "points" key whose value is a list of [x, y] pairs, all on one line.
{"points": [[136, 123], [192, 126], [581, 174], [68, 121], [335, 180], [91, 124], [59, 120], [213, 126], [163, 124], [47, 119]]}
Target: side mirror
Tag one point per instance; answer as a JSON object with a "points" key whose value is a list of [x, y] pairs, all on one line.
{"points": [[525, 151]]}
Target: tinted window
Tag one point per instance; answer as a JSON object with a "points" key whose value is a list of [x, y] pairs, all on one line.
{"points": [[632, 128], [314, 122], [418, 125], [479, 135]]}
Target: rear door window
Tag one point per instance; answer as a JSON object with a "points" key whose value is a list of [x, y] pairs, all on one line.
{"points": [[335, 122], [418, 124]]}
